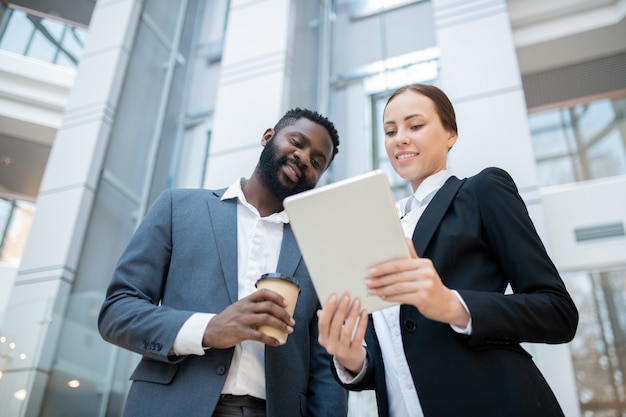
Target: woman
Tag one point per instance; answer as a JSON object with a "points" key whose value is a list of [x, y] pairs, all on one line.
{"points": [[452, 348]]}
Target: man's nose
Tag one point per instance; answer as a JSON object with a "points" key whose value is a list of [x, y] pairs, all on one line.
{"points": [[302, 155]]}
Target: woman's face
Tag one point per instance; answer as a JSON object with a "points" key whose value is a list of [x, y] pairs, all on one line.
{"points": [[417, 144]]}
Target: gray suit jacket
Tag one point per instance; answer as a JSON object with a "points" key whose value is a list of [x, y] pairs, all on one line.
{"points": [[183, 259]]}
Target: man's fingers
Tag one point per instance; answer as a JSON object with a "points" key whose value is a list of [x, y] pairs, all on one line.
{"points": [[268, 295]]}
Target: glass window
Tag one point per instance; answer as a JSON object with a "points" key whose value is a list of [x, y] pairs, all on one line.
{"points": [[579, 143], [599, 348], [594, 118], [607, 157], [551, 134], [401, 187], [16, 218], [364, 8], [41, 48], [42, 38], [17, 34]]}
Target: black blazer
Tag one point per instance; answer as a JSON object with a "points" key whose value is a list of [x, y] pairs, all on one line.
{"points": [[480, 238]]}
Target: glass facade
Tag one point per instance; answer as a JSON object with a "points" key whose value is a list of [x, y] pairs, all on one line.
{"points": [[572, 144], [581, 142], [41, 38], [599, 348], [16, 217]]}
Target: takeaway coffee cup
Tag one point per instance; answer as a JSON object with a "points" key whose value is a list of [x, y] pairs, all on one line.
{"points": [[286, 286]]}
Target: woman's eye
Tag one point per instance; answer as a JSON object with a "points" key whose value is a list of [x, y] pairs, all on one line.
{"points": [[390, 132], [415, 127]]}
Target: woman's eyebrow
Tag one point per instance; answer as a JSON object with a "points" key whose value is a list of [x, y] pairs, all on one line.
{"points": [[410, 116]]}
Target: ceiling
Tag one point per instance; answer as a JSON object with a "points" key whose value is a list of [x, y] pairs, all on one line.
{"points": [[547, 34]]}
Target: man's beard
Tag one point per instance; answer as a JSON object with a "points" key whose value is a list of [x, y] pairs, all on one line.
{"points": [[269, 166]]}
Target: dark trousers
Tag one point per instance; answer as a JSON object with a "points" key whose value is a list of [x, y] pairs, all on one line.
{"points": [[239, 406]]}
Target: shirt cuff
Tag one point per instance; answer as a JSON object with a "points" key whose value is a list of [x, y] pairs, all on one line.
{"points": [[347, 377], [189, 338], [467, 329]]}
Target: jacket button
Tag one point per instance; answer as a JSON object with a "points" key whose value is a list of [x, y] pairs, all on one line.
{"points": [[409, 325], [220, 370]]}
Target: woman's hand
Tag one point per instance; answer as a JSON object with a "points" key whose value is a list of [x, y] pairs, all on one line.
{"points": [[415, 281], [342, 330]]}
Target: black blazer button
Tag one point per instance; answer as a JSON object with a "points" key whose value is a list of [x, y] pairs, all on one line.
{"points": [[220, 370], [409, 325]]}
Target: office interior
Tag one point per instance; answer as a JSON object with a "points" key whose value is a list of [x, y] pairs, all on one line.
{"points": [[103, 104]]}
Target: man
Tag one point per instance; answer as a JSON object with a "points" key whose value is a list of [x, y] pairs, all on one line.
{"points": [[183, 293]]}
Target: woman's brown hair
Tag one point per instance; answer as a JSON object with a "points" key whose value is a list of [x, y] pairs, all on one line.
{"points": [[444, 107]]}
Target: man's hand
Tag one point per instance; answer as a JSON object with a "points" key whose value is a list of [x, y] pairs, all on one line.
{"points": [[240, 321]]}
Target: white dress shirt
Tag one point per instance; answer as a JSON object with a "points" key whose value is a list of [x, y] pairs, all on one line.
{"points": [[258, 246], [401, 393]]}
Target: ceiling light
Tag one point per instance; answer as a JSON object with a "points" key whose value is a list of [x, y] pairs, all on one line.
{"points": [[7, 161], [20, 394]]}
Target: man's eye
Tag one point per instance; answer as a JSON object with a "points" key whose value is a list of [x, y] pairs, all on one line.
{"points": [[295, 142], [315, 163]]}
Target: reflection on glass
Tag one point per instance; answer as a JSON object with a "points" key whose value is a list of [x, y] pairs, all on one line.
{"points": [[599, 348], [580, 143]]}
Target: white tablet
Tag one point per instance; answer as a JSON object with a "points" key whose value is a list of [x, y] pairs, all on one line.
{"points": [[344, 228]]}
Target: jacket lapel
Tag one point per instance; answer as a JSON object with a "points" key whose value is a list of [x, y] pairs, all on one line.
{"points": [[434, 213], [223, 215], [289, 252]]}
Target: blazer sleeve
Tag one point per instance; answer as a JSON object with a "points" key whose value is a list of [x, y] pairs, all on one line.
{"points": [[540, 308], [131, 315]]}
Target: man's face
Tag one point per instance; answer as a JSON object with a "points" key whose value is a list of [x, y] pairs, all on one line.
{"points": [[295, 157]]}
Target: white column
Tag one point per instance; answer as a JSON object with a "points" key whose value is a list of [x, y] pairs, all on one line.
{"points": [[252, 87], [45, 277], [480, 74]]}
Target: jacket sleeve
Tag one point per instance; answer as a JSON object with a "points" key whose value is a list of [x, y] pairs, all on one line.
{"points": [[540, 309], [131, 315], [326, 397]]}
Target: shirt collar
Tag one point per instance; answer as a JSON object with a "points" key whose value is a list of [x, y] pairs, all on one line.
{"points": [[430, 186], [236, 191]]}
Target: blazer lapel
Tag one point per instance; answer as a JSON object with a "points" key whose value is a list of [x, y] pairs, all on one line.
{"points": [[223, 215], [433, 214], [289, 252]]}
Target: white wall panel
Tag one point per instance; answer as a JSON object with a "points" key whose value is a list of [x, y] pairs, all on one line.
{"points": [[584, 205], [493, 131]]}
